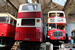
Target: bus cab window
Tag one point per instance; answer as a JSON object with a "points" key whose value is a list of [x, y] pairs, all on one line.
{"points": [[60, 15], [52, 14], [52, 26]]}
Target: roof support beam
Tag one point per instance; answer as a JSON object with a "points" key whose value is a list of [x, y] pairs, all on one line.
{"points": [[44, 2], [37, 1], [66, 5], [54, 6], [33, 1], [11, 4], [26, 1], [4, 9], [46, 6], [70, 9]]}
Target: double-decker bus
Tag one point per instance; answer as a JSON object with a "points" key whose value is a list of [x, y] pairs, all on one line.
{"points": [[56, 26], [7, 28], [29, 23]]}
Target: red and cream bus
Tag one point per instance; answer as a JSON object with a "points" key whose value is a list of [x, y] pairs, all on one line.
{"points": [[56, 26], [7, 27], [29, 23]]}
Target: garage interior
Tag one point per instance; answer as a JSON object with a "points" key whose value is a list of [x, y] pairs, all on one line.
{"points": [[12, 6]]}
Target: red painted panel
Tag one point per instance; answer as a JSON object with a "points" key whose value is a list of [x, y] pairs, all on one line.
{"points": [[55, 38], [29, 15], [11, 31], [28, 32], [30, 39], [8, 30]]}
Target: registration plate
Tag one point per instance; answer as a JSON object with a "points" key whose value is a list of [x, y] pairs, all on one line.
{"points": [[58, 38], [26, 38]]}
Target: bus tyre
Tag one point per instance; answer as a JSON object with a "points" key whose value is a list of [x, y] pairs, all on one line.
{"points": [[44, 38], [66, 41]]}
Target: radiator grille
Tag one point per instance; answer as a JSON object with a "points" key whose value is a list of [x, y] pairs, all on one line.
{"points": [[57, 34]]}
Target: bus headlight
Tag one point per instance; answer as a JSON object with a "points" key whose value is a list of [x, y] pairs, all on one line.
{"points": [[50, 34], [38, 20], [63, 34], [2, 33]]}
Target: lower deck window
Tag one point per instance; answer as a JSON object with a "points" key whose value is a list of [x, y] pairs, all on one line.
{"points": [[52, 25], [3, 19], [28, 22]]}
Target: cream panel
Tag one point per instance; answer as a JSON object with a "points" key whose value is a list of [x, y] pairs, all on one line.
{"points": [[3, 14], [40, 24], [49, 20], [56, 20]]}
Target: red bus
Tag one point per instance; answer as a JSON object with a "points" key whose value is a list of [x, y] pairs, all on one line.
{"points": [[29, 23], [7, 27], [56, 26]]}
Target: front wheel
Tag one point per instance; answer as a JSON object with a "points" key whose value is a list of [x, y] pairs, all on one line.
{"points": [[66, 41]]}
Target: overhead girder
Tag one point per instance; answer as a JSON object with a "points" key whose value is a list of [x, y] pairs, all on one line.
{"points": [[33, 1], [37, 1], [70, 9], [46, 6], [26, 1], [70, 4], [11, 4], [66, 5]]}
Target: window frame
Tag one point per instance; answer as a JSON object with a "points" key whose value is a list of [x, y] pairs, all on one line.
{"points": [[5, 19], [60, 16], [52, 13], [27, 8], [26, 24], [14, 24], [12, 21]]}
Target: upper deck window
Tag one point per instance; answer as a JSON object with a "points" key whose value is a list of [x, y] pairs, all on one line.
{"points": [[29, 7], [60, 15], [4, 19], [52, 14], [28, 22]]}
